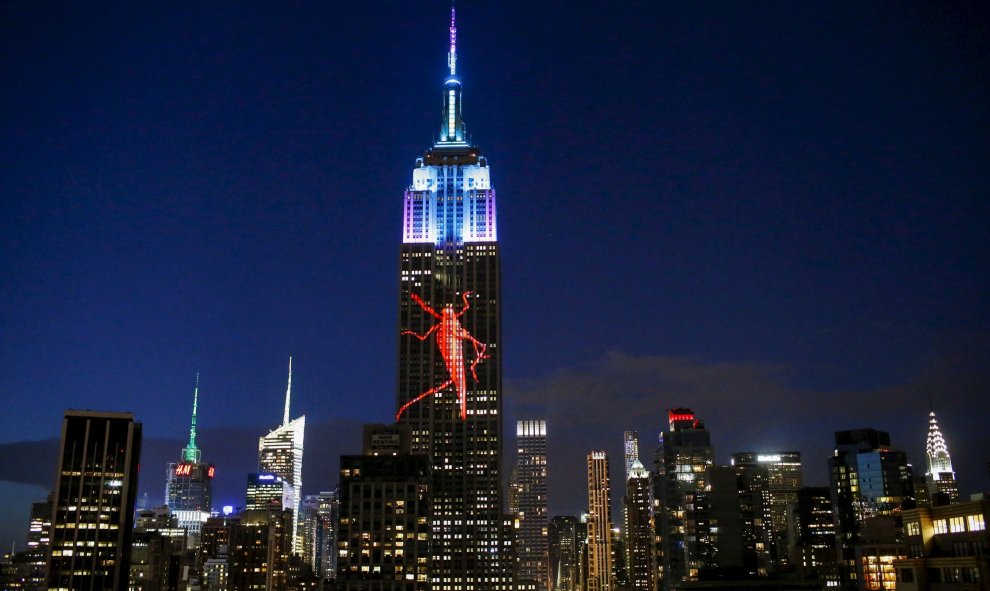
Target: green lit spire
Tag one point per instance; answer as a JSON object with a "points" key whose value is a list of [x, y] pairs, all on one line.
{"points": [[191, 453]]}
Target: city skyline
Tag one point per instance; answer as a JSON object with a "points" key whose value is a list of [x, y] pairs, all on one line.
{"points": [[126, 276]]}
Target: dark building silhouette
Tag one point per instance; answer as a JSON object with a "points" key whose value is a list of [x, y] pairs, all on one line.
{"points": [[384, 535], [95, 489]]}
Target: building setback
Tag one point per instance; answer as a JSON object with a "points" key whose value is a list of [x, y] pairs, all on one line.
{"points": [[95, 489], [450, 357]]}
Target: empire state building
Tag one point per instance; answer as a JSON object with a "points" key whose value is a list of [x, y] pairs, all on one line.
{"points": [[450, 366]]}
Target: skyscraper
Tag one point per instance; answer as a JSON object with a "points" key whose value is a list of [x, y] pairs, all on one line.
{"points": [[189, 482], [941, 479], [449, 378], [639, 529], [281, 453], [682, 463], [783, 479], [531, 479], [565, 553], [599, 524], [95, 489]]}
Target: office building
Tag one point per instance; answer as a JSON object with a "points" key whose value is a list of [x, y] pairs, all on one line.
{"points": [[258, 550], [783, 477], [327, 523], [682, 464], [384, 535], [268, 492], [813, 550], [450, 355], [600, 576], [281, 453], [95, 489], [532, 554], [867, 479], [940, 478]]}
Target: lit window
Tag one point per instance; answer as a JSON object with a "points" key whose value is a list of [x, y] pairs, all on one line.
{"points": [[941, 526], [976, 522]]}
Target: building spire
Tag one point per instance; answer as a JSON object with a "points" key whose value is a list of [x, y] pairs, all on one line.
{"points": [[288, 395], [937, 451], [452, 132], [452, 54], [191, 453]]}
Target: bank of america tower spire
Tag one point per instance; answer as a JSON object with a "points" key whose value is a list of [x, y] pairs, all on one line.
{"points": [[449, 379]]}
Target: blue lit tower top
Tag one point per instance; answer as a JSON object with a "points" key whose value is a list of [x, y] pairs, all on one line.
{"points": [[451, 199], [191, 453]]}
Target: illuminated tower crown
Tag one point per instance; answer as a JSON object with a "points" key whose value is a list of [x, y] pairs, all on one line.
{"points": [[938, 453]]}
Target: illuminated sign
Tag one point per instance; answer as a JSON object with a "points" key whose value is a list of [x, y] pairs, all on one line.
{"points": [[449, 335], [183, 469], [266, 477], [228, 509], [768, 458], [211, 471]]}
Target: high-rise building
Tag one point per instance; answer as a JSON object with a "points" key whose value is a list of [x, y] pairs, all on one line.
{"points": [[940, 478], [95, 489], [267, 492], [640, 529], [281, 453], [157, 545], [812, 540], [682, 464], [533, 560], [867, 479], [450, 356], [189, 482], [384, 533], [783, 478], [259, 550], [630, 449], [565, 543], [327, 522], [599, 524]]}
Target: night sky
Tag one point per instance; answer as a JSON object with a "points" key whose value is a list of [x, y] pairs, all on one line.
{"points": [[774, 213]]}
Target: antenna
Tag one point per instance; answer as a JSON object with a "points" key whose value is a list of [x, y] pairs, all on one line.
{"points": [[452, 55]]}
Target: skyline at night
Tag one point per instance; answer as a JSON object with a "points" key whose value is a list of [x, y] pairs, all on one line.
{"points": [[773, 216]]}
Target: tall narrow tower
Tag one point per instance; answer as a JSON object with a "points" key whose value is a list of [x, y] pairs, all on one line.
{"points": [[941, 479], [450, 368], [599, 524], [281, 453], [189, 482]]}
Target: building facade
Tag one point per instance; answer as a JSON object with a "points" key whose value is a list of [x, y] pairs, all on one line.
{"points": [[450, 359], [281, 453], [599, 524], [95, 489], [565, 546], [948, 547]]}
